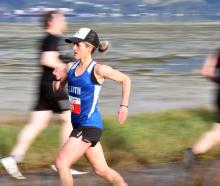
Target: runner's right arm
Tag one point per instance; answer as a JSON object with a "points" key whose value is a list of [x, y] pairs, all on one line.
{"points": [[60, 77], [209, 68], [51, 59]]}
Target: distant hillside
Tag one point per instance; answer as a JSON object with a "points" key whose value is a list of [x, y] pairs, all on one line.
{"points": [[206, 8]]}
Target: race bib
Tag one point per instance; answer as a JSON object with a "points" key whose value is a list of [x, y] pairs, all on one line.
{"points": [[75, 105]]}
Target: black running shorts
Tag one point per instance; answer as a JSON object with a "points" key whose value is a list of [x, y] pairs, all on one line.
{"points": [[48, 100], [55, 105], [89, 134]]}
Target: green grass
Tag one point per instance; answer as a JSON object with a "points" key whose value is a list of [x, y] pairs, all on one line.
{"points": [[153, 138], [144, 138]]}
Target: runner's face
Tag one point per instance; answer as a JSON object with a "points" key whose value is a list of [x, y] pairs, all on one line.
{"points": [[81, 50], [59, 22]]}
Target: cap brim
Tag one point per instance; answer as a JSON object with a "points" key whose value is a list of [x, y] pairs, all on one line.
{"points": [[73, 40]]}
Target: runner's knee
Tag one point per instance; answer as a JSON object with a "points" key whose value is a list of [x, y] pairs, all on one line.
{"points": [[101, 170], [59, 163]]}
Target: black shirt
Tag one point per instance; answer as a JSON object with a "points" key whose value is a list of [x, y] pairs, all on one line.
{"points": [[49, 43]]}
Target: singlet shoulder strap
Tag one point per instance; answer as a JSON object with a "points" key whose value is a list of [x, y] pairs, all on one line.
{"points": [[90, 70], [92, 64], [74, 65]]}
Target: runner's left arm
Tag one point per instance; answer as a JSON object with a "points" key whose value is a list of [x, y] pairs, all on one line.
{"points": [[102, 72]]}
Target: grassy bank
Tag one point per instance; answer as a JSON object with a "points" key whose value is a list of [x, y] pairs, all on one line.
{"points": [[144, 138]]}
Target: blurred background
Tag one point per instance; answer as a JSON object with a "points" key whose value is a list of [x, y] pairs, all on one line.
{"points": [[160, 44]]}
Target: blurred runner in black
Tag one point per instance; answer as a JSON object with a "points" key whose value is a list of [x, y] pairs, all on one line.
{"points": [[48, 102], [210, 70]]}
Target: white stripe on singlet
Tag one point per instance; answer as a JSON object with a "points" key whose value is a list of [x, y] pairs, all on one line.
{"points": [[95, 99]]}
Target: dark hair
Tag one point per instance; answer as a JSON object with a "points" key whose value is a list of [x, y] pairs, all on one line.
{"points": [[48, 16]]}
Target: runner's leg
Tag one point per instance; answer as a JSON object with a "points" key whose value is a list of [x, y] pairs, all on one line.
{"points": [[39, 121], [71, 151], [66, 128], [96, 158], [208, 140]]}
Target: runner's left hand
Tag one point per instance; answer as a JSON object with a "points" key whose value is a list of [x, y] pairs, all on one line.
{"points": [[122, 114]]}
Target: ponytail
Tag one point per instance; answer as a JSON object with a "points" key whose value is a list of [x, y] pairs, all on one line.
{"points": [[103, 46]]}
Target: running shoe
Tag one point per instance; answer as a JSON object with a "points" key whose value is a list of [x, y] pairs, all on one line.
{"points": [[11, 167], [73, 171], [189, 158]]}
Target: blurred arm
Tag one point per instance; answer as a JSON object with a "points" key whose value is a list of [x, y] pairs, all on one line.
{"points": [[51, 59], [209, 68]]}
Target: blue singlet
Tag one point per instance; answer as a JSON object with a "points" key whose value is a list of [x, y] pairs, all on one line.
{"points": [[83, 96]]}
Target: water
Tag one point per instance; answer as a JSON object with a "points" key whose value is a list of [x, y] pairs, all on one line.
{"points": [[162, 60]]}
